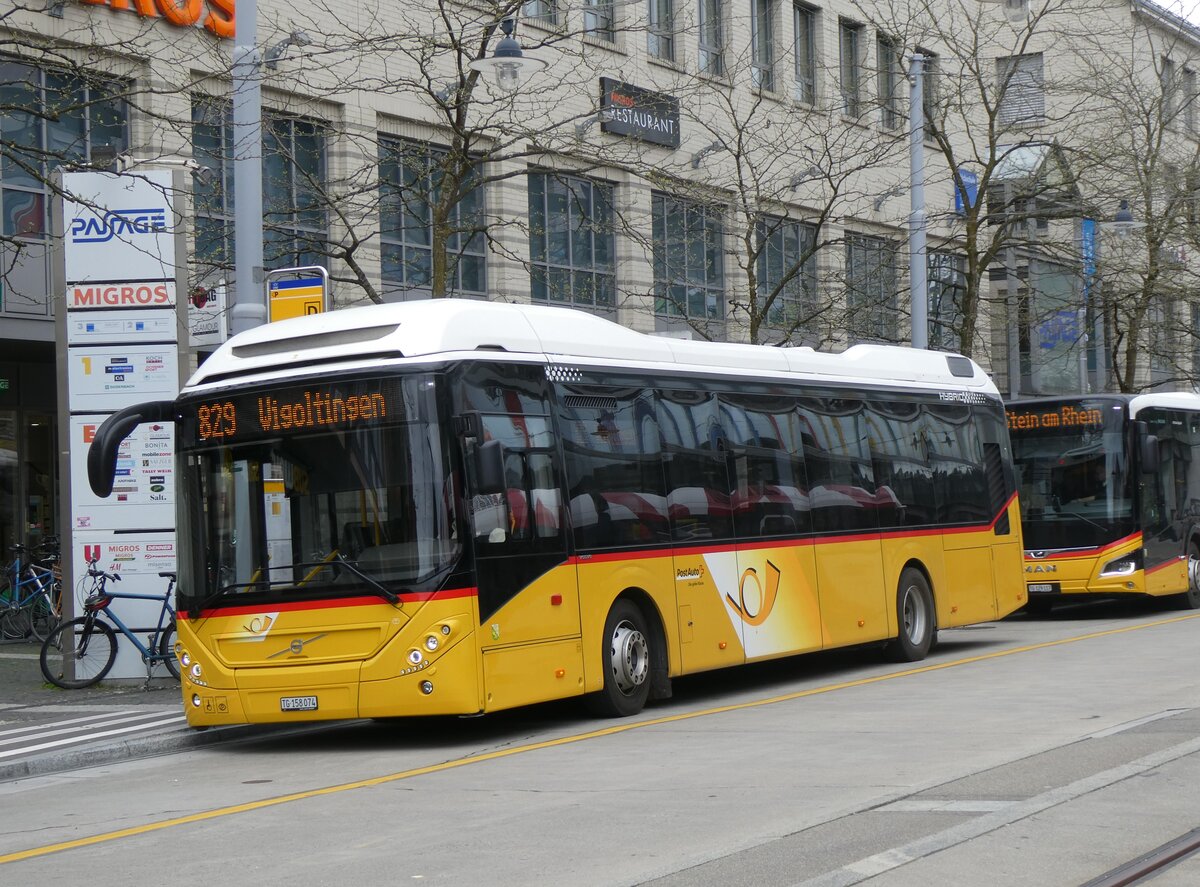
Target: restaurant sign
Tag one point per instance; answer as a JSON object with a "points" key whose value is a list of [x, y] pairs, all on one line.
{"points": [[629, 110]]}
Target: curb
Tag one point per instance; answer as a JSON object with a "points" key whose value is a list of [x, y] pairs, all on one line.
{"points": [[130, 748]]}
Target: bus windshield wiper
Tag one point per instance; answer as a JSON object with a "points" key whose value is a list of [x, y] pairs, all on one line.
{"points": [[387, 594]]}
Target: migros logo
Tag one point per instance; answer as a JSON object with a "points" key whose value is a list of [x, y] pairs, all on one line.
{"points": [[102, 229], [117, 295], [216, 16]]}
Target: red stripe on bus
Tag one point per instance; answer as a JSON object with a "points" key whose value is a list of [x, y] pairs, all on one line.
{"points": [[1172, 562]]}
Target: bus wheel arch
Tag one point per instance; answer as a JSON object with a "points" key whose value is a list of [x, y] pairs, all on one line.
{"points": [[916, 615], [633, 657], [1190, 599]]}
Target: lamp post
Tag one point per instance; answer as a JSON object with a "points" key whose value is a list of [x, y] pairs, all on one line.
{"points": [[917, 268], [249, 305], [507, 63]]}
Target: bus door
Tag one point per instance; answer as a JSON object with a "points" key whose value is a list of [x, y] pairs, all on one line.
{"points": [[1165, 501], [969, 488], [844, 500], [775, 598], [696, 457], [527, 590]]}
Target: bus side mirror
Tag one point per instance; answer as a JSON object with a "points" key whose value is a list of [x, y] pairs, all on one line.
{"points": [[489, 467], [1148, 453], [102, 453]]}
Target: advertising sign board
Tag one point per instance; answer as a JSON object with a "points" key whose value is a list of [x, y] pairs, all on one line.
{"points": [[629, 110], [119, 227]]}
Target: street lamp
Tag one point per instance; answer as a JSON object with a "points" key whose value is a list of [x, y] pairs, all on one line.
{"points": [[508, 64]]}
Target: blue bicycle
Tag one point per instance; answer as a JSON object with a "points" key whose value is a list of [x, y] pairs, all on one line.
{"points": [[80, 653], [31, 593]]}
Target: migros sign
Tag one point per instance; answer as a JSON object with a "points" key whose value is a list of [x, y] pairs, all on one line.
{"points": [[216, 15]]}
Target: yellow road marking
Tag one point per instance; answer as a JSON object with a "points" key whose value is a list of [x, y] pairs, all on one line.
{"points": [[551, 743]]}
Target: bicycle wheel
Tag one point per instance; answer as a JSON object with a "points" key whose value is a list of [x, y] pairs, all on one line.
{"points": [[42, 617], [78, 653], [166, 649], [14, 621]]}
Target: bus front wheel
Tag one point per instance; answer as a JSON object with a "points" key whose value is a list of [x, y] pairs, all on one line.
{"points": [[626, 657], [1190, 599], [915, 616]]}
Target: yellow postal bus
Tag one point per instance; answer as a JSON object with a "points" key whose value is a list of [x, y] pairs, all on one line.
{"points": [[1110, 496], [452, 507]]}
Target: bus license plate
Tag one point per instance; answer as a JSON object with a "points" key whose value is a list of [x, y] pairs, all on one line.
{"points": [[1043, 587], [298, 703]]}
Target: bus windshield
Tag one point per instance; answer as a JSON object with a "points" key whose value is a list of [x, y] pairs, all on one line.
{"points": [[1073, 473], [332, 488]]}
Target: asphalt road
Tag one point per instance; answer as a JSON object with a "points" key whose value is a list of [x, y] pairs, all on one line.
{"points": [[1032, 751]]}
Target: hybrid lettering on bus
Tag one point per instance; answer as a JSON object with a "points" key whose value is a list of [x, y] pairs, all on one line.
{"points": [[1110, 496], [452, 507]]}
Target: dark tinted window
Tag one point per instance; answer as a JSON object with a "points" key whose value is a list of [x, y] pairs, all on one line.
{"points": [[899, 457], [770, 491], [837, 457], [956, 455], [614, 468], [695, 453]]}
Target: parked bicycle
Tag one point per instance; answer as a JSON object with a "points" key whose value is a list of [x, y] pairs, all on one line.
{"points": [[81, 652], [31, 593]]}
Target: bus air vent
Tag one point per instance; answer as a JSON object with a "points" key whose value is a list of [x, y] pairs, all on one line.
{"points": [[590, 402], [315, 340], [960, 366]]}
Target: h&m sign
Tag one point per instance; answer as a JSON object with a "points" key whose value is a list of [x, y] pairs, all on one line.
{"points": [[629, 110]]}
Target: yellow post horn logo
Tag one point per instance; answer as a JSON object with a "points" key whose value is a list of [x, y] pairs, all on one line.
{"points": [[766, 597]]}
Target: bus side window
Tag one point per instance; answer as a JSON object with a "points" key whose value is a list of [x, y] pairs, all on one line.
{"points": [[837, 458], [770, 488], [695, 457]]}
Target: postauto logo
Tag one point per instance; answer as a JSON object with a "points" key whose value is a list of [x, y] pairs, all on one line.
{"points": [[101, 228]]}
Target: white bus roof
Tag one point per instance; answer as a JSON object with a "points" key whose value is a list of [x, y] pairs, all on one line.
{"points": [[462, 328], [1167, 400]]}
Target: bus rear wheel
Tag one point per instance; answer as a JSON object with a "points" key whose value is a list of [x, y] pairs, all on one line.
{"points": [[626, 658], [915, 617]]}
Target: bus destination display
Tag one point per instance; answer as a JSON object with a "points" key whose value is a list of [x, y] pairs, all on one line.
{"points": [[1065, 416], [299, 409]]}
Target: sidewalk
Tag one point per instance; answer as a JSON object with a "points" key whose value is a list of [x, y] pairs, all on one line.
{"points": [[44, 729]]}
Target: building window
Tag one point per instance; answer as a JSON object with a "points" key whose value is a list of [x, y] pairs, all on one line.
{"points": [[542, 12], [849, 48], [295, 228], [804, 26], [1169, 89], [1023, 99], [762, 42], [598, 19], [787, 272], [661, 36], [888, 58], [49, 119], [689, 276], [410, 183], [1189, 100], [947, 277], [712, 38], [870, 288], [572, 259]]}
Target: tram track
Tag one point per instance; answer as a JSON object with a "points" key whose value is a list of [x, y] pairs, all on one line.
{"points": [[1147, 866]]}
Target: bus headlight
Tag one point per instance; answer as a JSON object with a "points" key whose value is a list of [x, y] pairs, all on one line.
{"points": [[415, 656], [195, 670], [1122, 566], [185, 658], [431, 643]]}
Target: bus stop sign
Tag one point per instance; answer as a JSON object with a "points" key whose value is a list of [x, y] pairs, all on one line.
{"points": [[304, 292]]}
